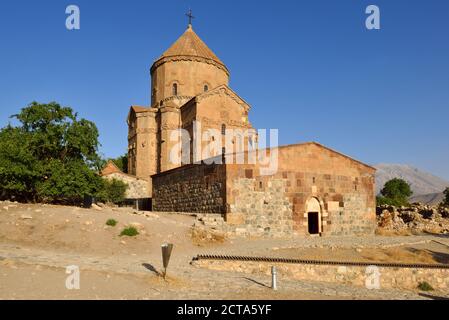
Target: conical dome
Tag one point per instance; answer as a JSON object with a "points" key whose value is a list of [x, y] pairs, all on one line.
{"points": [[191, 45]]}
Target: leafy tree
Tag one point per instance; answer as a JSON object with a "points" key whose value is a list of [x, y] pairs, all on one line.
{"points": [[395, 192], [50, 156], [19, 171], [68, 181], [446, 197]]}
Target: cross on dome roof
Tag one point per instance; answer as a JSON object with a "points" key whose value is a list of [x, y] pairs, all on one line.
{"points": [[190, 44]]}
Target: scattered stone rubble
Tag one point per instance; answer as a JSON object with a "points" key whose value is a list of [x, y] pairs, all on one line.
{"points": [[208, 227], [416, 218]]}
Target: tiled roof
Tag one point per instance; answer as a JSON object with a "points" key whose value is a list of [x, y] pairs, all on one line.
{"points": [[110, 168], [189, 44], [138, 109]]}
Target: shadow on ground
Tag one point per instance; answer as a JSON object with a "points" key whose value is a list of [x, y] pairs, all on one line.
{"points": [[257, 282], [425, 295], [152, 269]]}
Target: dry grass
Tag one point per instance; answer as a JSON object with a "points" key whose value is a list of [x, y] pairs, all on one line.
{"points": [[433, 230], [399, 254], [393, 233], [202, 237]]}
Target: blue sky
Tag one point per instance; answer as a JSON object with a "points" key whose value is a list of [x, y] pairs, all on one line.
{"points": [[309, 68]]}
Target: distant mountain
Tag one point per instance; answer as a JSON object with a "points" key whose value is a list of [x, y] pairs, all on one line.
{"points": [[422, 183], [432, 199]]}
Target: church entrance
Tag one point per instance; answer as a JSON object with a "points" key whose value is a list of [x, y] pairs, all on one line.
{"points": [[313, 222], [313, 215]]}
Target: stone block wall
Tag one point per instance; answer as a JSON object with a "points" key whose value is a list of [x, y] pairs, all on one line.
{"points": [[341, 189], [309, 178], [192, 188], [390, 277], [261, 212], [351, 219], [137, 188]]}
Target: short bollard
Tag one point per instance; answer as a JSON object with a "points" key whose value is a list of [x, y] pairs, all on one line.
{"points": [[274, 285]]}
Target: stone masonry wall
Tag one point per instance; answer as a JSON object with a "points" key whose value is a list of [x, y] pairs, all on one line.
{"points": [[315, 179], [193, 188], [310, 178], [348, 220], [263, 212], [390, 277], [137, 188]]}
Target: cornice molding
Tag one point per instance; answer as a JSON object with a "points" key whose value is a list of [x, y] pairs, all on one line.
{"points": [[223, 90], [163, 60]]}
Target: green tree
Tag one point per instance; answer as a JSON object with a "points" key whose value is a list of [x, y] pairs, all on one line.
{"points": [[446, 197], [19, 172], [395, 192], [50, 156]]}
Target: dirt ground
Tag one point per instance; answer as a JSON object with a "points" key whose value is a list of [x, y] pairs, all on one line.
{"points": [[429, 253], [38, 242]]}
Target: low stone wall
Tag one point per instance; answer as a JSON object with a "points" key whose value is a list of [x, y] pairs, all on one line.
{"points": [[194, 188], [390, 277]]}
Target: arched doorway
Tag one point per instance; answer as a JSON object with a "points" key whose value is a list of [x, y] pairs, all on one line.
{"points": [[313, 213]]}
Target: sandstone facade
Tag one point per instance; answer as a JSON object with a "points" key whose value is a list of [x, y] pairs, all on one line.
{"points": [[321, 187], [311, 189], [189, 84]]}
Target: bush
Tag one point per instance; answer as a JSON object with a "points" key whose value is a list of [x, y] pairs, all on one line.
{"points": [[111, 222], [130, 232], [112, 191], [425, 286]]}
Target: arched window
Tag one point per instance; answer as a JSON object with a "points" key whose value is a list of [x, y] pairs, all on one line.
{"points": [[223, 129], [206, 88], [175, 89]]}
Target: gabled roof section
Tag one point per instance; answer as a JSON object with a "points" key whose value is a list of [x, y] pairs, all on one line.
{"points": [[110, 168], [137, 110], [329, 149], [190, 44], [223, 90]]}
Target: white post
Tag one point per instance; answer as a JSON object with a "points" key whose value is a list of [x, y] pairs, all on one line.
{"points": [[274, 278]]}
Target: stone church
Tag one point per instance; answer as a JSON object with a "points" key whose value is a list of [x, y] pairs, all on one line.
{"points": [[314, 190]]}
